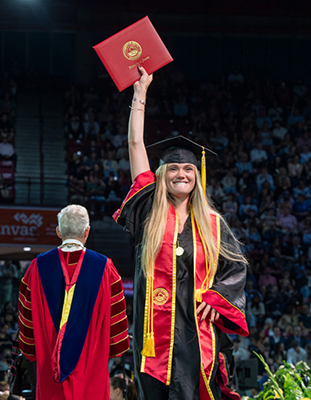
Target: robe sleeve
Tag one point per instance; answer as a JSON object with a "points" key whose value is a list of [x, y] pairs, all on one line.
{"points": [[26, 336], [119, 339], [137, 203], [227, 292]]}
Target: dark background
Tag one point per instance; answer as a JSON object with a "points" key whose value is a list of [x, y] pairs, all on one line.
{"points": [[206, 38]]}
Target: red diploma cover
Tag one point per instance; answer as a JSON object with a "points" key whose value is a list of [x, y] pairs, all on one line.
{"points": [[137, 44]]}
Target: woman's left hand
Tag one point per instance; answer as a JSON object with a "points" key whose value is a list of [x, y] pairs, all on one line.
{"points": [[206, 309]]}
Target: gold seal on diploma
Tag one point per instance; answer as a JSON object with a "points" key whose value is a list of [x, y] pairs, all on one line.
{"points": [[160, 296], [132, 50]]}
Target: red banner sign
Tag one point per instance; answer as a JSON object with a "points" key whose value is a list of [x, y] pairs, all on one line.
{"points": [[28, 226]]}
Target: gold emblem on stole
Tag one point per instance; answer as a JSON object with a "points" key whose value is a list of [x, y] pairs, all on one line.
{"points": [[132, 50], [160, 296]]}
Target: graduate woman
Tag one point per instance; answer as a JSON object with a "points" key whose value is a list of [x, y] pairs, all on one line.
{"points": [[189, 271]]}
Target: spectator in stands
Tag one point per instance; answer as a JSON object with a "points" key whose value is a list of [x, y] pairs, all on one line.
{"points": [[91, 126], [263, 177], [91, 161], [74, 128], [215, 190], [258, 156], [304, 140], [268, 353], [124, 162], [295, 169], [93, 147], [276, 338], [305, 317], [296, 337], [122, 150], [287, 221], [255, 310], [239, 353], [289, 318], [110, 164], [6, 125], [7, 151], [280, 355], [295, 116], [5, 338], [230, 207], [8, 272], [296, 353], [265, 135], [244, 164], [275, 112], [305, 155], [301, 208], [262, 117], [246, 206], [266, 278], [117, 391]]}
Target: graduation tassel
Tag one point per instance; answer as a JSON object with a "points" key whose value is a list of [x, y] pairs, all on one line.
{"points": [[205, 284], [149, 346], [203, 170]]}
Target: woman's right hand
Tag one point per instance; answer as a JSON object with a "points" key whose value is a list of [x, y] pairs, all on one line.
{"points": [[141, 86]]}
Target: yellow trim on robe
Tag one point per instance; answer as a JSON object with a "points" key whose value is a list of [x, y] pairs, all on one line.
{"points": [[112, 304], [28, 344], [116, 294], [170, 358], [115, 282], [115, 323], [122, 340], [67, 305], [30, 327], [134, 194], [111, 337], [26, 336], [27, 354], [24, 305], [206, 381], [228, 302], [28, 320], [22, 294], [147, 301], [115, 315]]}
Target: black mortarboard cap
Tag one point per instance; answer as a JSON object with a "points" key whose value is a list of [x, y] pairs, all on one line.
{"points": [[179, 150]]}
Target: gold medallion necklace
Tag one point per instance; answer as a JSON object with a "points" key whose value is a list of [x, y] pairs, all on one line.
{"points": [[179, 249]]}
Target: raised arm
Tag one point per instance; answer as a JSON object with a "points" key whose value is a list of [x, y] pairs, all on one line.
{"points": [[138, 155]]}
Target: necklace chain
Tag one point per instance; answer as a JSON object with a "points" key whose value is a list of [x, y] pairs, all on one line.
{"points": [[181, 219]]}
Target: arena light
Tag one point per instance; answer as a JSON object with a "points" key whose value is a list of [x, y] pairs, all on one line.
{"points": [[27, 248]]}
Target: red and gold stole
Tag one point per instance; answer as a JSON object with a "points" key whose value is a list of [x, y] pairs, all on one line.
{"points": [[161, 291]]}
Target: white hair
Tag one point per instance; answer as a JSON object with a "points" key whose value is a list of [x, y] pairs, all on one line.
{"points": [[73, 221]]}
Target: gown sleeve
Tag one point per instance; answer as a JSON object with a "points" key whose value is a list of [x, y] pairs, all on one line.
{"points": [[227, 292], [137, 204], [119, 339], [26, 336]]}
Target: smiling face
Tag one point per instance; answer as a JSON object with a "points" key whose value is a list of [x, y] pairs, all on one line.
{"points": [[180, 179]]}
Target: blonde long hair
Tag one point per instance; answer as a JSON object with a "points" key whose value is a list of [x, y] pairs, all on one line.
{"points": [[202, 208]]}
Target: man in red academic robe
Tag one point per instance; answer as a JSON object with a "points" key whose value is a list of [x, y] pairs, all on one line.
{"points": [[72, 315]]}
